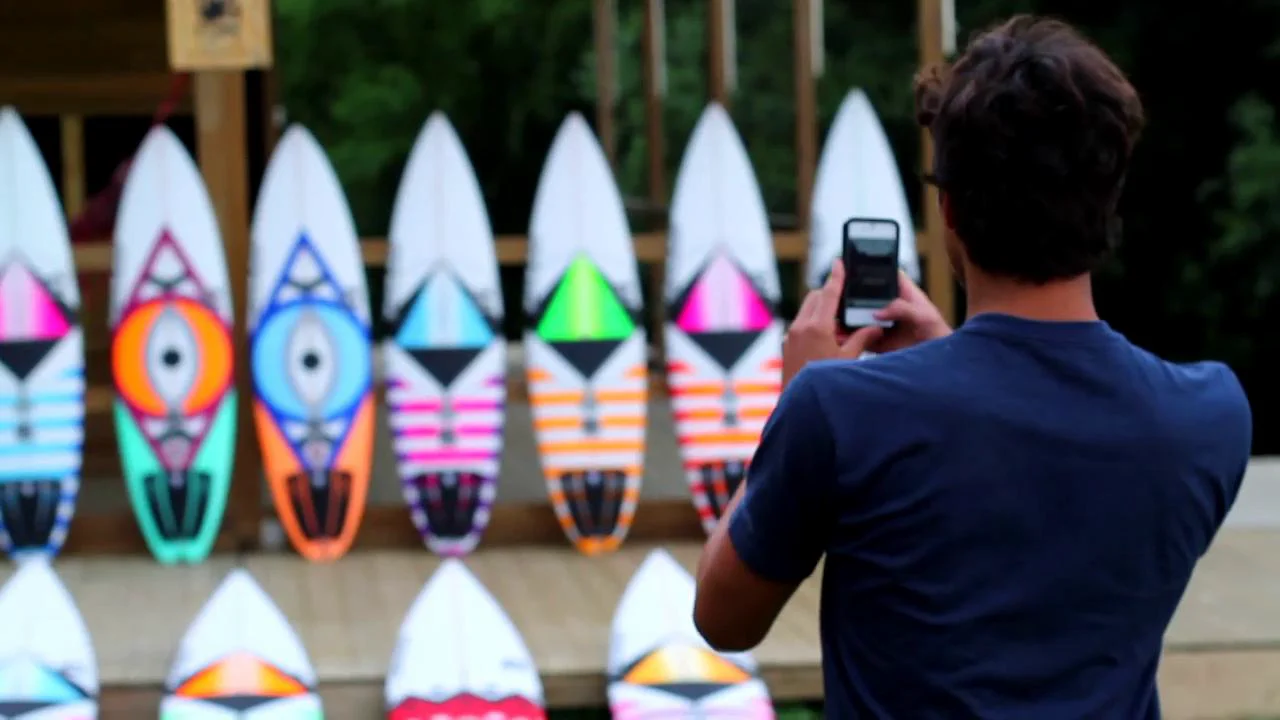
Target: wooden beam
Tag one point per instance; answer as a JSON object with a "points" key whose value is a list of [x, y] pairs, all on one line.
{"points": [[73, 183], [806, 108], [938, 279], [221, 147], [717, 57], [653, 47], [605, 35], [97, 95]]}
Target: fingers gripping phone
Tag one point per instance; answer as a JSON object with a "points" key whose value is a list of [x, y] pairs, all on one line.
{"points": [[870, 271]]}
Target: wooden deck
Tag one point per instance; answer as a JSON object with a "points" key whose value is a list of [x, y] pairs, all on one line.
{"points": [[1222, 658]]}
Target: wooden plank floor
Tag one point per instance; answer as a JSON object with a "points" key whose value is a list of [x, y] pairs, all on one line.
{"points": [[1222, 658]]}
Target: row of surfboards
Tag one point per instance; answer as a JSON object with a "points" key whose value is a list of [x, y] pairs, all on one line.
{"points": [[310, 347], [457, 655]]}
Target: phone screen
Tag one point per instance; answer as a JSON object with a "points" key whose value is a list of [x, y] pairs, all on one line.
{"points": [[870, 263]]}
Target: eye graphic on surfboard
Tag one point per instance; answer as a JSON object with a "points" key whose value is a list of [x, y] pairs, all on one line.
{"points": [[240, 659], [723, 336], [658, 664], [41, 353], [458, 655], [585, 349], [448, 442], [312, 373], [48, 669]]}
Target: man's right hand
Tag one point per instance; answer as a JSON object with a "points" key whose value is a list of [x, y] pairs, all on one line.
{"points": [[915, 319]]}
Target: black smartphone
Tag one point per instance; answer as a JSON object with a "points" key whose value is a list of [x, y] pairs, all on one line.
{"points": [[870, 271]]}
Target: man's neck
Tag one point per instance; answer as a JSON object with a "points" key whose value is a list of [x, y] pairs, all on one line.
{"points": [[1059, 301]]}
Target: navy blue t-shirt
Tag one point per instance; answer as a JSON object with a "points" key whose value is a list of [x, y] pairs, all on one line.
{"points": [[1010, 516]]}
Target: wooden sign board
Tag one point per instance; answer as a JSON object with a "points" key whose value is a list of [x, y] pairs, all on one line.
{"points": [[219, 34]]}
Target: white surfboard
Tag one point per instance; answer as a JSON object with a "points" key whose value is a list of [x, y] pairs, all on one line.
{"points": [[41, 353], [47, 666], [311, 355], [857, 176], [724, 339], [585, 345], [240, 659], [172, 356], [446, 357], [659, 666], [459, 655]]}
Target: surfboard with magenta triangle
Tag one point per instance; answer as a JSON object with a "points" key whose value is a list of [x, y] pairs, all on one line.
{"points": [[585, 349], [239, 658], [171, 352], [41, 353], [724, 339], [47, 666], [659, 666], [446, 357]]}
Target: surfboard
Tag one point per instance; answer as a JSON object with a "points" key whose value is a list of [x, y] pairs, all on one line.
{"points": [[47, 667], [171, 353], [310, 349], [724, 339], [857, 176], [446, 358], [459, 656], [585, 345], [659, 666], [239, 658], [41, 353]]}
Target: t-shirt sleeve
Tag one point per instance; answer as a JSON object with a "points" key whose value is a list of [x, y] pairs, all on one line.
{"points": [[1232, 419], [780, 528]]}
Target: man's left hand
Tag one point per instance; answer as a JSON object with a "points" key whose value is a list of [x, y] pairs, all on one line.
{"points": [[814, 335]]}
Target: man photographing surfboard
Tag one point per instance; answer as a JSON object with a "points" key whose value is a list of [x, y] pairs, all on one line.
{"points": [[1011, 512]]}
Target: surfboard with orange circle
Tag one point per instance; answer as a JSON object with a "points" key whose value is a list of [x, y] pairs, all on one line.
{"points": [[311, 352], [240, 659], [659, 666]]}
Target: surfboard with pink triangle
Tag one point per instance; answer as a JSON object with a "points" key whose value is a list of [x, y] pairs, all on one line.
{"points": [[41, 353], [724, 339]]}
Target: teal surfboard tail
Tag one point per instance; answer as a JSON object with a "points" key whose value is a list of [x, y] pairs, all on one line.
{"points": [[179, 520]]}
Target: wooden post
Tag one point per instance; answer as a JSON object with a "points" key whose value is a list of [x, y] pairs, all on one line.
{"points": [[938, 281], [605, 17], [221, 147], [806, 108], [73, 182], [717, 55], [653, 49]]}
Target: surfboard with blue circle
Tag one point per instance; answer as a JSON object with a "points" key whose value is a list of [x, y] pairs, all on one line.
{"points": [[310, 351], [41, 353]]}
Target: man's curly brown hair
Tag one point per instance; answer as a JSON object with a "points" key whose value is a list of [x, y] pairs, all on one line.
{"points": [[1033, 128]]}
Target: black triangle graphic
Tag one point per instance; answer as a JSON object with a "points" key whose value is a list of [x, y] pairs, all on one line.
{"points": [[241, 702], [693, 691], [22, 356], [445, 364], [586, 356], [17, 708], [726, 347]]}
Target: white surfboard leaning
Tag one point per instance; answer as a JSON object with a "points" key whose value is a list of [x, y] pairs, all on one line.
{"points": [[446, 356], [240, 659], [173, 360], [724, 338], [659, 666], [310, 349], [41, 353], [47, 667], [585, 346], [459, 655], [857, 176]]}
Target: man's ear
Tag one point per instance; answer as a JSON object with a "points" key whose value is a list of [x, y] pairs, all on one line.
{"points": [[944, 201]]}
